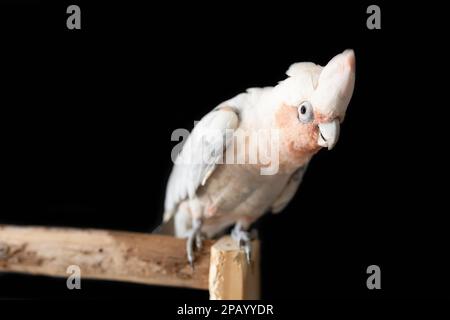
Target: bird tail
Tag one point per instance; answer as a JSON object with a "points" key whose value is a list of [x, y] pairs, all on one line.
{"points": [[166, 228]]}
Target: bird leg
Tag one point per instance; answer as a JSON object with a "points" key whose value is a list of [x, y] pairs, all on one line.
{"points": [[194, 240], [243, 238]]}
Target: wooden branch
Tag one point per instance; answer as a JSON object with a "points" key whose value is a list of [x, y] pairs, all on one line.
{"points": [[100, 254], [230, 276], [133, 257]]}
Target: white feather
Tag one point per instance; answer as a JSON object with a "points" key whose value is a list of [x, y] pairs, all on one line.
{"points": [[200, 154]]}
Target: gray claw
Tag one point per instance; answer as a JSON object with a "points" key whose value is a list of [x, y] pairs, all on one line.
{"points": [[190, 250], [243, 238], [194, 241], [248, 251]]}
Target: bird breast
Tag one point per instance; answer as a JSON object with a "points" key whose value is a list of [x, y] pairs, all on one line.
{"points": [[237, 192]]}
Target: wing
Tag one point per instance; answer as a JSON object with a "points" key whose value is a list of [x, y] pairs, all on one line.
{"points": [[289, 191], [203, 150]]}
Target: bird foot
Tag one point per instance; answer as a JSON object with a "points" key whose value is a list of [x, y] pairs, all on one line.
{"points": [[194, 241], [244, 240]]}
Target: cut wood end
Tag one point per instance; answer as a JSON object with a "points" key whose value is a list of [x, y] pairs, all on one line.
{"points": [[230, 276]]}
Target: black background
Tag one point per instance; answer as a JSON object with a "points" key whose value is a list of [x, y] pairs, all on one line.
{"points": [[87, 115]]}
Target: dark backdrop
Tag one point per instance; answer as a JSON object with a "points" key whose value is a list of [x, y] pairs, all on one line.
{"points": [[87, 117]]}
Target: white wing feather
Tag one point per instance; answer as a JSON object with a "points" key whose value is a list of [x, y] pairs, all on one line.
{"points": [[203, 150]]}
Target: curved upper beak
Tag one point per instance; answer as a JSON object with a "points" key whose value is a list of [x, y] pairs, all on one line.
{"points": [[328, 134]]}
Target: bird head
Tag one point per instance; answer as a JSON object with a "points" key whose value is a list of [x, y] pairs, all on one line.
{"points": [[311, 104]]}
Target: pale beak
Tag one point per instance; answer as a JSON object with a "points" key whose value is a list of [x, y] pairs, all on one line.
{"points": [[328, 134]]}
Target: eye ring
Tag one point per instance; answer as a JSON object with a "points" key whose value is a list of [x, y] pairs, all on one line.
{"points": [[305, 112]]}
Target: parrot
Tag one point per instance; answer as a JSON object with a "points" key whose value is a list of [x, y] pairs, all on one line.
{"points": [[206, 196]]}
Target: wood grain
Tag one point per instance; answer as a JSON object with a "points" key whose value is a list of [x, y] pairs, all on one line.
{"points": [[102, 254]]}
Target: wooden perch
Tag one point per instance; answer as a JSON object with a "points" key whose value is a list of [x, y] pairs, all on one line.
{"points": [[100, 254], [132, 257], [230, 276]]}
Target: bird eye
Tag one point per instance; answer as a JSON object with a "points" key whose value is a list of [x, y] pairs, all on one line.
{"points": [[305, 112]]}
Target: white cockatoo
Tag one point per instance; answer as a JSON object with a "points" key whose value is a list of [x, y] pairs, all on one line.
{"points": [[220, 180]]}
